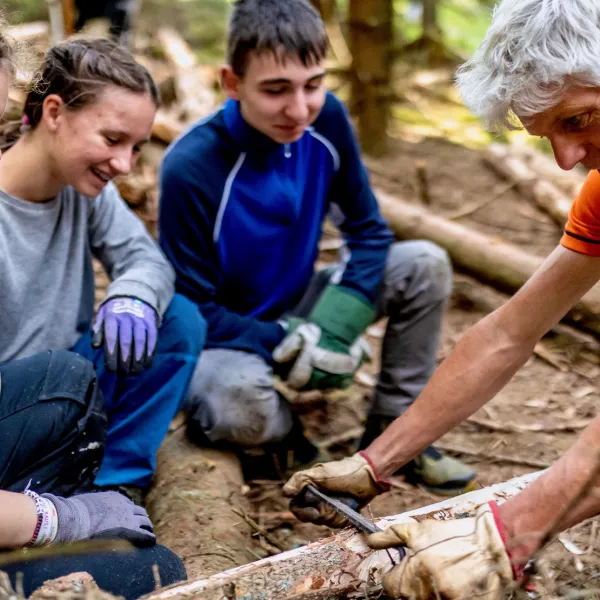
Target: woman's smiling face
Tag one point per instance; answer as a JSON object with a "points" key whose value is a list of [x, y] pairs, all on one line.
{"points": [[92, 145]]}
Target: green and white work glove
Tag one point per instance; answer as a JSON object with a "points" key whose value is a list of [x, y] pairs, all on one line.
{"points": [[327, 350]]}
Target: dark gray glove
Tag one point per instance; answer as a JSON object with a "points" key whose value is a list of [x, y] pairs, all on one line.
{"points": [[101, 515]]}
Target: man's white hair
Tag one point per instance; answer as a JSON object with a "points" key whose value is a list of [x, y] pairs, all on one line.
{"points": [[533, 50]]}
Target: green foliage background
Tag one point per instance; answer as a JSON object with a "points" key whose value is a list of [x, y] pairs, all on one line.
{"points": [[203, 22]]}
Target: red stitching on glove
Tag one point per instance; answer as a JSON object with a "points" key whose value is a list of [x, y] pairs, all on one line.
{"points": [[384, 482]]}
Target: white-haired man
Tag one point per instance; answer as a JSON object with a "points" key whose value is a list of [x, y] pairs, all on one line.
{"points": [[538, 64]]}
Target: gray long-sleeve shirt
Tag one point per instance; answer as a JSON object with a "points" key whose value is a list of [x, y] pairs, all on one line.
{"points": [[46, 273]]}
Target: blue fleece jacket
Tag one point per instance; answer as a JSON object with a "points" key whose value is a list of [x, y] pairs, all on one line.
{"points": [[241, 217]]}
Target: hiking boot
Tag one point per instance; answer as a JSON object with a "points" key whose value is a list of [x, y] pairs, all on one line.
{"points": [[438, 473], [279, 460]]}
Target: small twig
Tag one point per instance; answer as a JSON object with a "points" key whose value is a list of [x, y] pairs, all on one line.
{"points": [[156, 575], [19, 585], [574, 425], [495, 457], [423, 182], [270, 550], [74, 548], [593, 534], [284, 515], [260, 530], [255, 554], [221, 554], [547, 356], [472, 207]]}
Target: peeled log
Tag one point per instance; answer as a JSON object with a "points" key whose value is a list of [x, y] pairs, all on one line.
{"points": [[502, 265], [190, 505], [334, 566]]}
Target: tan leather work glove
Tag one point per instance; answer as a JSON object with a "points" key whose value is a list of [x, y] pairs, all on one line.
{"points": [[353, 477], [461, 558]]}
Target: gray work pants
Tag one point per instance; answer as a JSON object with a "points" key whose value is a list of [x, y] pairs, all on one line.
{"points": [[232, 397]]}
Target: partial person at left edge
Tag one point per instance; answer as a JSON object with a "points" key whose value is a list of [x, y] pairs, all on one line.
{"points": [[85, 121], [52, 434]]}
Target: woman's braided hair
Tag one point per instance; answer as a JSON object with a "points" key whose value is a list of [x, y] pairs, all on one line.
{"points": [[78, 71]]}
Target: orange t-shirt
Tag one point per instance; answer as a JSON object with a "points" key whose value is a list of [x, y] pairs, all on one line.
{"points": [[582, 233]]}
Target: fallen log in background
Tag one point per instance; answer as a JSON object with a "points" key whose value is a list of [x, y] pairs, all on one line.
{"points": [[549, 197], [546, 168], [334, 566], [491, 260], [195, 93], [190, 506]]}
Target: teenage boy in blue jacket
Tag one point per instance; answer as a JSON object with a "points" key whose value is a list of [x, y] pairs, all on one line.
{"points": [[243, 197]]}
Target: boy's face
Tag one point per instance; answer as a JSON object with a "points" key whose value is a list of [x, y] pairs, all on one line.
{"points": [[278, 97]]}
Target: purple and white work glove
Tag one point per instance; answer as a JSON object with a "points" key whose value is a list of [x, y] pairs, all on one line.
{"points": [[128, 328], [106, 515]]}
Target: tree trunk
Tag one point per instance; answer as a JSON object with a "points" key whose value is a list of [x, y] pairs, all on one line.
{"points": [[190, 506], [429, 19], [57, 21], [503, 265], [371, 36], [69, 16], [332, 567]]}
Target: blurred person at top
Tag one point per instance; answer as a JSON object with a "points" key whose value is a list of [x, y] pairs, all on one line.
{"points": [[120, 14]]}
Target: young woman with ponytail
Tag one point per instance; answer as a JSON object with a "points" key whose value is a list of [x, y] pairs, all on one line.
{"points": [[88, 112]]}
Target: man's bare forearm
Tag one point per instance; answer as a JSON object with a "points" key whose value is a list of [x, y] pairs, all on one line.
{"points": [[18, 519], [486, 358], [563, 496], [480, 365]]}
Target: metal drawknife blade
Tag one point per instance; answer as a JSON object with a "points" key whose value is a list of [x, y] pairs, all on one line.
{"points": [[342, 508], [352, 515]]}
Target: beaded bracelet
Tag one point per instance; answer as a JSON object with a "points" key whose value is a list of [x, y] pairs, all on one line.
{"points": [[47, 520]]}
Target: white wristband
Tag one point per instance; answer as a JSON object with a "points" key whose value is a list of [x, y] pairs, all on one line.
{"points": [[47, 523], [49, 527]]}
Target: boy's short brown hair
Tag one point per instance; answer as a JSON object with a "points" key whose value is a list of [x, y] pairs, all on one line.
{"points": [[283, 27]]}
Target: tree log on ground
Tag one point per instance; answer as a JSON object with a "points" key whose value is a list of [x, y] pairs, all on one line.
{"points": [[489, 259], [545, 166], [549, 197], [190, 505], [334, 566]]}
